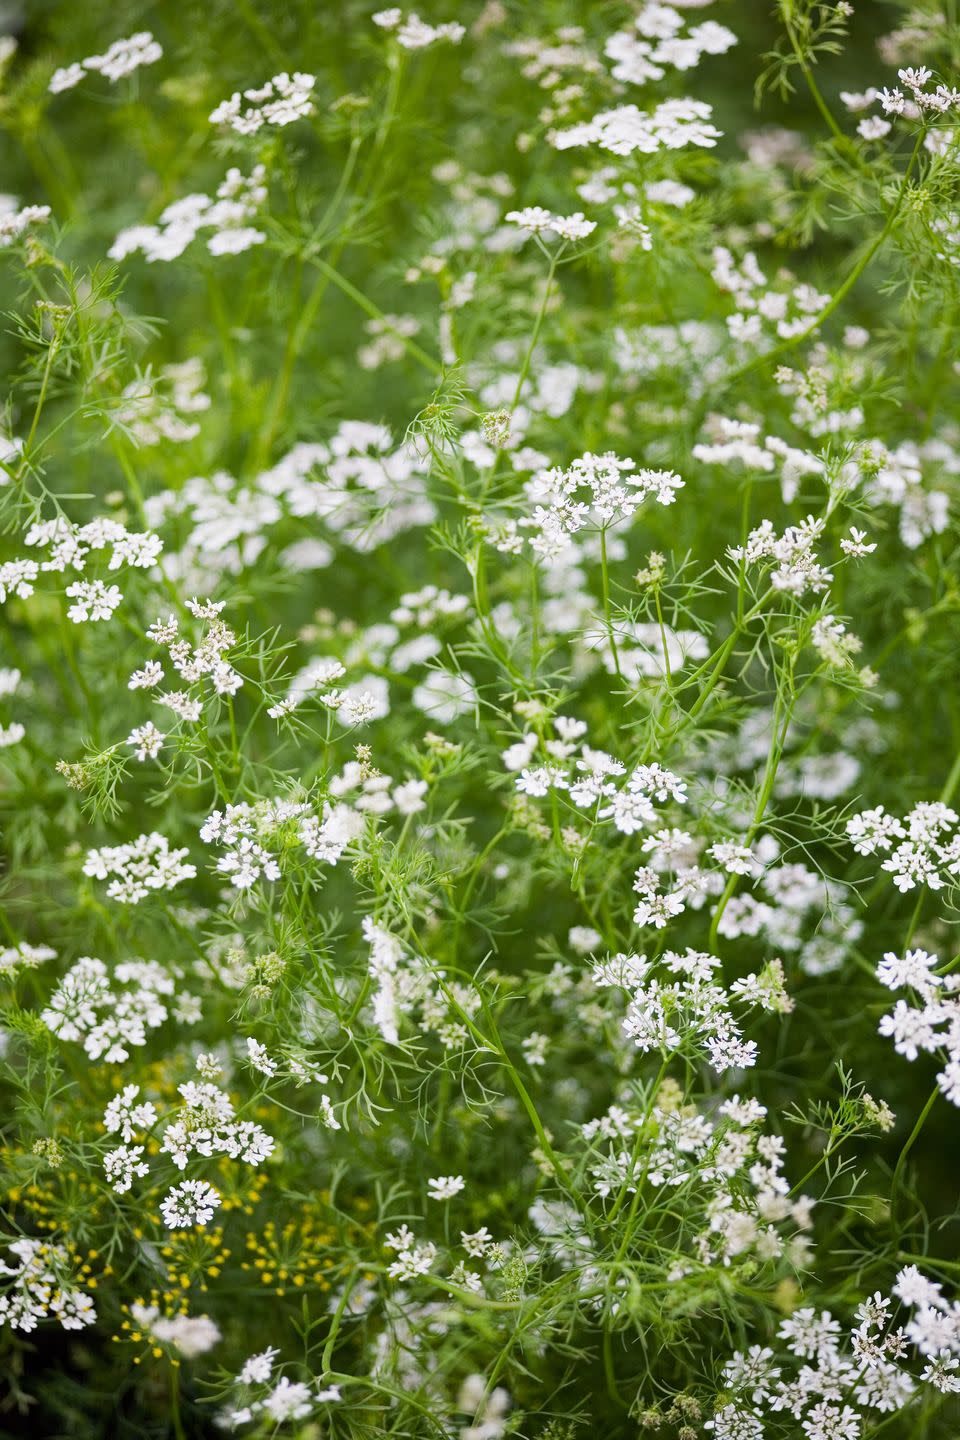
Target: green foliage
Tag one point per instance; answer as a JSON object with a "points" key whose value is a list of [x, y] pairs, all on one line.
{"points": [[473, 559]]}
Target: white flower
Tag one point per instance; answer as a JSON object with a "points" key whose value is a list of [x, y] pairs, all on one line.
{"points": [[122, 58], [258, 1368], [288, 1400], [145, 679], [584, 939], [444, 1187], [259, 1057], [138, 867], [412, 33], [408, 797], [65, 78], [672, 125], [235, 240], [92, 600], [146, 740], [279, 101], [123, 1165], [125, 56], [190, 1335], [126, 1117], [190, 1203], [857, 544], [537, 221]]}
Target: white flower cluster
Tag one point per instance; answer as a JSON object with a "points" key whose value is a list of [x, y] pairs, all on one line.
{"points": [[92, 600], [388, 334], [558, 62], [69, 546], [240, 828], [190, 1335], [895, 477], [357, 704], [139, 867], [23, 956], [192, 662], [14, 222], [789, 900], [444, 1187], [228, 215], [153, 410], [694, 349], [833, 642], [928, 852], [739, 442], [279, 101], [364, 489], [797, 568], [743, 1196], [946, 228], [313, 679], [412, 1259], [839, 1384], [412, 33], [599, 491], [606, 184], [443, 695], [11, 446], [593, 784], [409, 986], [111, 1013], [285, 1399], [930, 1020], [39, 1288], [207, 1125], [121, 59], [914, 102], [425, 607], [691, 1009], [254, 835], [790, 312], [371, 794], [672, 863], [123, 1165], [190, 1204], [534, 220], [628, 130], [660, 39], [488, 1407], [125, 1116], [18, 577], [13, 733], [146, 741], [793, 907]]}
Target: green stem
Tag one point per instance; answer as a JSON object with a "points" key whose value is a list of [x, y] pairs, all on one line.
{"points": [[912, 1139], [428, 362], [605, 580], [812, 85]]}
